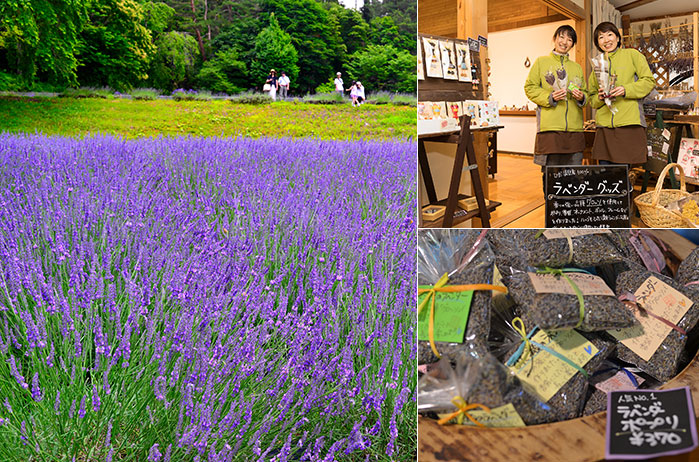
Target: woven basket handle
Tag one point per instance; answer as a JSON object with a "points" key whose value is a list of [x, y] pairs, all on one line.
{"points": [[661, 179]]}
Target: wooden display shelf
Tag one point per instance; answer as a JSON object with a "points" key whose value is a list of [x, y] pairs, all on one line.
{"points": [[460, 215], [576, 440]]}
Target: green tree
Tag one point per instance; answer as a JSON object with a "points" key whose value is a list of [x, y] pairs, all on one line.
{"points": [[316, 36], [383, 67], [115, 48], [175, 61], [224, 73], [354, 31], [40, 38], [273, 50]]}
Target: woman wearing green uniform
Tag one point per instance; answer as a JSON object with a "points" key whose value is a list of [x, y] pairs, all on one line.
{"points": [[621, 129], [559, 119]]}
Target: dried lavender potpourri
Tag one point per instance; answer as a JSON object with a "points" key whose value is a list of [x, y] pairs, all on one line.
{"points": [[663, 364], [444, 251], [562, 311], [532, 247], [688, 271]]}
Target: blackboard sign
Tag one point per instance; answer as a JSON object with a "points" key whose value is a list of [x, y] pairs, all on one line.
{"points": [[474, 45], [483, 41], [649, 423], [587, 196]]}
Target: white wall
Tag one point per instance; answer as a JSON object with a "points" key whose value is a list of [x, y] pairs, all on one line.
{"points": [[508, 50]]}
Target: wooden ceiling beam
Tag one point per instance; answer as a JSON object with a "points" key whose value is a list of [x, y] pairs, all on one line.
{"points": [[567, 8], [635, 4]]}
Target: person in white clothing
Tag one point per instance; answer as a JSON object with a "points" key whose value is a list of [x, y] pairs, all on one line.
{"points": [[339, 84], [283, 85], [359, 91]]}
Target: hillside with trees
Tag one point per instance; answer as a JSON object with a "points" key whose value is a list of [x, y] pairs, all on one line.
{"points": [[223, 46]]}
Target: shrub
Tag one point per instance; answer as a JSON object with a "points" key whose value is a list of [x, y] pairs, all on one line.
{"points": [[145, 93], [87, 92], [251, 97], [325, 98]]}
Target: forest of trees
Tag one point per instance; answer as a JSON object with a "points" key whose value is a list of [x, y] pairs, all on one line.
{"points": [[224, 46]]}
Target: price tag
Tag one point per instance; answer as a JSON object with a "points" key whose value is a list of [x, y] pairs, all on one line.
{"points": [[666, 134], [589, 284], [643, 424], [451, 310], [666, 148], [662, 300], [619, 381]]}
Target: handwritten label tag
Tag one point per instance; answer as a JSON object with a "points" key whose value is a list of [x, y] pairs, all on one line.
{"points": [[662, 300], [619, 381], [643, 424], [550, 373], [589, 284], [499, 417], [666, 147], [564, 233], [451, 311], [666, 134]]}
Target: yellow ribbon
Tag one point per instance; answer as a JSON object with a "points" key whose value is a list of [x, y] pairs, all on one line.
{"points": [[518, 326], [440, 286], [463, 407]]}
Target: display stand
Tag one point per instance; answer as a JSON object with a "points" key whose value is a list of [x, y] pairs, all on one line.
{"points": [[464, 148]]}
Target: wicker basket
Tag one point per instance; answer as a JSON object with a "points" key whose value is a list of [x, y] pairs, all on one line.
{"points": [[652, 204]]}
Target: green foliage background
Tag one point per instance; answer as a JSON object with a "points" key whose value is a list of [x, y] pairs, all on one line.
{"points": [[225, 46]]}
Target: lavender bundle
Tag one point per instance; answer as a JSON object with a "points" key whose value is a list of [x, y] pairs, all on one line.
{"points": [[606, 81], [206, 299]]}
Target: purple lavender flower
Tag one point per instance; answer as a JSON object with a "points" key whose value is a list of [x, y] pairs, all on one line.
{"points": [[550, 78], [95, 399], [561, 73], [154, 454], [37, 395], [81, 411]]}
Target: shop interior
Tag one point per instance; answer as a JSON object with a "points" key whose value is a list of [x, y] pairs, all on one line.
{"points": [[511, 35]]}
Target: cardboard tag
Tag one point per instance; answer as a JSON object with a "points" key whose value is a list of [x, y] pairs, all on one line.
{"points": [[499, 417], [662, 300], [451, 311], [644, 424], [564, 233], [619, 381], [549, 373], [589, 284], [666, 147], [666, 134]]}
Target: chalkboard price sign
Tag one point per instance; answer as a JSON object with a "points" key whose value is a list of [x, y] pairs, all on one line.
{"points": [[649, 423], [587, 196]]}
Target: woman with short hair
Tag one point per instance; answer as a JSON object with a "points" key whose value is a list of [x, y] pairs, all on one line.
{"points": [[556, 84], [621, 124]]}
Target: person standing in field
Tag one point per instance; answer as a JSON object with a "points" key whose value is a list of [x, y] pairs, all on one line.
{"points": [[339, 84], [283, 85], [273, 84]]}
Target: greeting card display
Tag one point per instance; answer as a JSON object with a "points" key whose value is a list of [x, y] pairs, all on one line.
{"points": [[448, 60], [688, 157], [454, 109], [490, 116], [472, 109], [463, 62], [424, 110], [433, 62]]}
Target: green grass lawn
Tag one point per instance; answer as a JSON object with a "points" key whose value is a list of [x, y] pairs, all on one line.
{"points": [[132, 118]]}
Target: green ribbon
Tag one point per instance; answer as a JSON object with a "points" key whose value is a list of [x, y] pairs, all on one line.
{"points": [[578, 293]]}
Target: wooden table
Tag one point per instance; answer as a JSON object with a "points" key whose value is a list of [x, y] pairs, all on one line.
{"points": [[463, 139]]}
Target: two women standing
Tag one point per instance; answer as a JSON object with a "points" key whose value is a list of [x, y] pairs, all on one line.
{"points": [[556, 85]]}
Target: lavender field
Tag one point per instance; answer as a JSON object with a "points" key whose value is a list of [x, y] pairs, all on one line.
{"points": [[206, 299]]}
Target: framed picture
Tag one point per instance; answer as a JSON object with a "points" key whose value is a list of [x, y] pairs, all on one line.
{"points": [[448, 60], [424, 110], [433, 63], [463, 62], [420, 63], [454, 109]]}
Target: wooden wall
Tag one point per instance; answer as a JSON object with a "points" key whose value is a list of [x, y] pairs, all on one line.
{"points": [[437, 17], [509, 14]]}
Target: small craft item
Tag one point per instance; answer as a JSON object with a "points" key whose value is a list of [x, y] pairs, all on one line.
{"points": [[666, 310], [567, 298], [448, 60], [455, 280], [560, 247], [463, 62], [556, 366], [433, 212]]}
